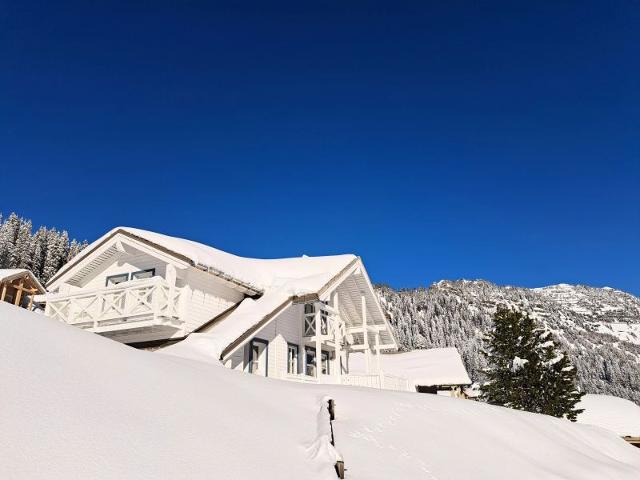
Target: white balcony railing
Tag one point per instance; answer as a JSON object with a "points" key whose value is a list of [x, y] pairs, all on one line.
{"points": [[126, 305], [382, 381]]}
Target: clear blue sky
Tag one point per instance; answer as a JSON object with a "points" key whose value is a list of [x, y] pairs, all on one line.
{"points": [[436, 139]]}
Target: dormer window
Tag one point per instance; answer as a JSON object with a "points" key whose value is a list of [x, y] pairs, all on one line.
{"points": [[139, 275]]}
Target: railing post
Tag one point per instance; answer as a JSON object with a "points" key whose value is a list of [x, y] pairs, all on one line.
{"points": [[100, 303], [318, 333], [337, 337], [365, 334]]}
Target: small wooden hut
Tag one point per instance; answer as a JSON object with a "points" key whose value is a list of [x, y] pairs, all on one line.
{"points": [[18, 286]]}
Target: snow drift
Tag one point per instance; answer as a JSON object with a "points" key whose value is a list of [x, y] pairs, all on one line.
{"points": [[75, 405]]}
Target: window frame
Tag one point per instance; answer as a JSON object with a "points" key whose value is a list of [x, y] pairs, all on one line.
{"points": [[311, 350], [309, 320], [297, 358], [327, 354], [109, 277], [152, 270], [266, 353]]}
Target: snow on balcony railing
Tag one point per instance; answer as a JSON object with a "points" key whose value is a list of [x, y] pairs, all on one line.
{"points": [[130, 302], [382, 381]]}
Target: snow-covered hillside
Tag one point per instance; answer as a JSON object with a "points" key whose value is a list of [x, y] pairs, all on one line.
{"points": [[77, 406], [600, 327]]}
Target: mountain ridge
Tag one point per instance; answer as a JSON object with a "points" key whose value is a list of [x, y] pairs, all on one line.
{"points": [[598, 326]]}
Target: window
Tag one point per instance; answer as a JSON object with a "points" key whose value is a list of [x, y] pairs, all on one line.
{"points": [[324, 323], [258, 357], [116, 279], [325, 363], [292, 358], [310, 362], [310, 320], [139, 275]]}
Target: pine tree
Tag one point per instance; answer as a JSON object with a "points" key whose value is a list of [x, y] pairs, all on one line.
{"points": [[39, 250], [8, 235], [43, 252], [526, 368], [560, 395], [22, 251]]}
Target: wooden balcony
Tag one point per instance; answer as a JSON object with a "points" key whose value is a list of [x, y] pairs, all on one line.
{"points": [[130, 305]]}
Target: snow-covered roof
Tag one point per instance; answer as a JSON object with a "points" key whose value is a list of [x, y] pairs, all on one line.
{"points": [[7, 274], [169, 418], [310, 273], [435, 366], [613, 413]]}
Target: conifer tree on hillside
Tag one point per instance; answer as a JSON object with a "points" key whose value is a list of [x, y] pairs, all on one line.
{"points": [[42, 252], [526, 368], [22, 252], [8, 236], [38, 251]]}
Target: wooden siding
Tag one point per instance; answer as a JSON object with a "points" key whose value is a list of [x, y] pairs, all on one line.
{"points": [[284, 329], [205, 297]]}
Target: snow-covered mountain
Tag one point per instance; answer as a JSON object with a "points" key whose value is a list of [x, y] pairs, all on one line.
{"points": [[599, 327]]}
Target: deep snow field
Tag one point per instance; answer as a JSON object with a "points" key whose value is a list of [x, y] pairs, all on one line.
{"points": [[74, 405]]}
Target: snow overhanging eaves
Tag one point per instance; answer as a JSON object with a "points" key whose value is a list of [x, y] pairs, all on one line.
{"points": [[252, 290]]}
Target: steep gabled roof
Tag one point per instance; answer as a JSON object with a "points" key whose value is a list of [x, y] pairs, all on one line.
{"points": [[254, 275]]}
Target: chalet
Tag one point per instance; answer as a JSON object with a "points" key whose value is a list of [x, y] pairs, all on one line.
{"points": [[293, 318], [437, 370], [19, 286]]}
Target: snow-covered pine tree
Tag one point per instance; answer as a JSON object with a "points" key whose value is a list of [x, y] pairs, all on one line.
{"points": [[63, 242], [39, 250], [74, 248], [512, 360], [53, 256], [43, 252], [8, 234], [526, 368], [560, 395], [22, 251]]}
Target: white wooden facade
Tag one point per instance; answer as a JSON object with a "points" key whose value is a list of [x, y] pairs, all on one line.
{"points": [[132, 290]]}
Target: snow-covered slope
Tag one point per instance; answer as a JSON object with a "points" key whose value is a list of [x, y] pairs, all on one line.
{"points": [[600, 327], [77, 406]]}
